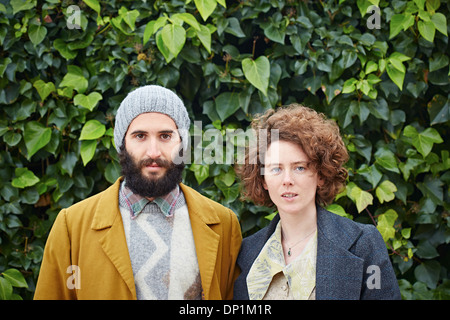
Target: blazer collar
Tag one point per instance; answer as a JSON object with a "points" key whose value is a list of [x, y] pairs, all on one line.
{"points": [[202, 216], [198, 207], [338, 271], [330, 227], [108, 199], [107, 219], [203, 219]]}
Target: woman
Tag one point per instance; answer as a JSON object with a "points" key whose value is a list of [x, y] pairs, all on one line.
{"points": [[306, 252]]}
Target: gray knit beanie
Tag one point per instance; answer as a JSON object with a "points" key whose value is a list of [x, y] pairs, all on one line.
{"points": [[151, 98]]}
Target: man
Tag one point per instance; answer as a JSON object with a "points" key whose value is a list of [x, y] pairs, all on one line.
{"points": [[148, 236]]}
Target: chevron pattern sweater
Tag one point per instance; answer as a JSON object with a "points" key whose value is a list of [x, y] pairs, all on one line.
{"points": [[162, 252]]}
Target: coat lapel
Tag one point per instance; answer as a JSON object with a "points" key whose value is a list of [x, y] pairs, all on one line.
{"points": [[113, 240], [339, 272], [202, 217]]}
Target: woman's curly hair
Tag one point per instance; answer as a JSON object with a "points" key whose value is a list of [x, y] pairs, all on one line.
{"points": [[318, 137]]}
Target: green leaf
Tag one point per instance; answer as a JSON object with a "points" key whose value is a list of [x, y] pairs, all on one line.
{"points": [[24, 178], [234, 28], [275, 33], [74, 79], [15, 277], [174, 38], [94, 5], [89, 101], [36, 136], [372, 174], [189, 19], [205, 7], [67, 162], [349, 85], [61, 46], [12, 138], [204, 34], [431, 188], [426, 250], [400, 22], [201, 172], [361, 198], [6, 289], [385, 224], [438, 61], [44, 88], [396, 60], [440, 23], [410, 165], [337, 209], [428, 272], [37, 33], [423, 141], [439, 109], [385, 191], [163, 48], [427, 30], [385, 158], [129, 17], [227, 104], [87, 150], [112, 171], [152, 27], [92, 129], [396, 76], [257, 72], [21, 5]]}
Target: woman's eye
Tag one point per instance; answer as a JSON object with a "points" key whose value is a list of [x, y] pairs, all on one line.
{"points": [[300, 169], [275, 170], [140, 136]]}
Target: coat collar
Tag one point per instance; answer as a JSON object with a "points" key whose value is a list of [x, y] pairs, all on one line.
{"points": [[202, 216], [338, 271]]}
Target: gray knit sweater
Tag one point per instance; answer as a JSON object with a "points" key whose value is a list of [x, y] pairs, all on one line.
{"points": [[162, 251]]}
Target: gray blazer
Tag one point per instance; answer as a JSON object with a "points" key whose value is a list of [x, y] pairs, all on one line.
{"points": [[352, 260]]}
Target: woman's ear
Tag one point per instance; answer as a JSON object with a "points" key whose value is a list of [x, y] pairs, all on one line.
{"points": [[320, 182]]}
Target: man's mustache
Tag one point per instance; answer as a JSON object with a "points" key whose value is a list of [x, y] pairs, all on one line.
{"points": [[149, 161]]}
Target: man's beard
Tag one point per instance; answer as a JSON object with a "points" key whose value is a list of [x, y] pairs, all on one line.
{"points": [[147, 186]]}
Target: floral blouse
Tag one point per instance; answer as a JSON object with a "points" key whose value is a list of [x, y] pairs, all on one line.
{"points": [[270, 277]]}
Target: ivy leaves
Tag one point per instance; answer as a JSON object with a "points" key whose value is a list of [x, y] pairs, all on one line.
{"points": [[36, 136], [428, 20], [171, 35], [257, 72], [387, 89], [422, 141]]}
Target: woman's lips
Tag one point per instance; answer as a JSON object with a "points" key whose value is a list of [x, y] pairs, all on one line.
{"points": [[289, 195]]}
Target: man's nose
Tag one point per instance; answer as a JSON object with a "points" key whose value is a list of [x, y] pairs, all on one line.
{"points": [[153, 150]]}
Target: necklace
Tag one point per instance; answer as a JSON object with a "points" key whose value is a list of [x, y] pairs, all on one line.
{"points": [[290, 247]]}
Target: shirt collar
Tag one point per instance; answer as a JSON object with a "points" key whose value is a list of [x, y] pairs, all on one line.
{"points": [[137, 203]]}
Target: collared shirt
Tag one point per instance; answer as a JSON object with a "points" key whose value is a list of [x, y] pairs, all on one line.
{"points": [[297, 279], [137, 203], [161, 246]]}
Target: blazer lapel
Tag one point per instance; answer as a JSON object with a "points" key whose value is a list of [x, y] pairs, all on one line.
{"points": [[202, 217], [338, 271], [108, 220]]}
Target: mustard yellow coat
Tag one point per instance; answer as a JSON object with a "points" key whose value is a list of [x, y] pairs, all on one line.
{"points": [[90, 236]]}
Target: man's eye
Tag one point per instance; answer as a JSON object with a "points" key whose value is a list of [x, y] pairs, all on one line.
{"points": [[166, 136], [300, 169], [140, 136]]}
